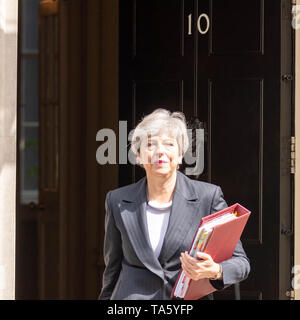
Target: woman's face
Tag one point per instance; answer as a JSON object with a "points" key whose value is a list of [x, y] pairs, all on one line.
{"points": [[159, 155]]}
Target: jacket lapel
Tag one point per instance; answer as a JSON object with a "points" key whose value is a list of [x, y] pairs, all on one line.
{"points": [[134, 218], [183, 216]]}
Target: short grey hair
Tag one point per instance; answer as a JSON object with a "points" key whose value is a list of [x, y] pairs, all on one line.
{"points": [[161, 121]]}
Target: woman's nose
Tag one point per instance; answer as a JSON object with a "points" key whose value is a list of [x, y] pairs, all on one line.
{"points": [[160, 148]]}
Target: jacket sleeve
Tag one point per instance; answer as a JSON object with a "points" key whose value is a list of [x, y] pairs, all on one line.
{"points": [[236, 268], [112, 253]]}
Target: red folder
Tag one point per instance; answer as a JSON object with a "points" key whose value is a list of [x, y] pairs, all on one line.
{"points": [[220, 246]]}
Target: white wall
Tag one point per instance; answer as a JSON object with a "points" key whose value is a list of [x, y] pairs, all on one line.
{"points": [[8, 111]]}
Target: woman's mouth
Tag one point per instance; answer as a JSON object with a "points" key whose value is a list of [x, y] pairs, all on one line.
{"points": [[160, 162]]}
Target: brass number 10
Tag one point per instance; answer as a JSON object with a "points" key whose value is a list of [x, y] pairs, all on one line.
{"points": [[204, 16]]}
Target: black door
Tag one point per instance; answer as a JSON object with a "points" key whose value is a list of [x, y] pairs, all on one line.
{"points": [[223, 62]]}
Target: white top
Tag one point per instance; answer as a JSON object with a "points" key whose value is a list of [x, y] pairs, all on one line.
{"points": [[157, 219]]}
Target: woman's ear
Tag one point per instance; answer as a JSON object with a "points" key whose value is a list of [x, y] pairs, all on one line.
{"points": [[138, 159]]}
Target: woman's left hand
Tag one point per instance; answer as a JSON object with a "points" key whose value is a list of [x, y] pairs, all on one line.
{"points": [[199, 269]]}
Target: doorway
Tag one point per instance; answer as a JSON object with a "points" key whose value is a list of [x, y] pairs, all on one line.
{"points": [[229, 65]]}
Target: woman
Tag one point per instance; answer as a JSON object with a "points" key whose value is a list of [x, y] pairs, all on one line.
{"points": [[150, 225]]}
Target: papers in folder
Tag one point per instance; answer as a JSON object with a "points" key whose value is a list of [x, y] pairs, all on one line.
{"points": [[202, 236]]}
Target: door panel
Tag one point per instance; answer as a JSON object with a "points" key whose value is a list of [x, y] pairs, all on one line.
{"points": [[235, 112], [147, 95], [228, 19], [150, 38], [156, 63]]}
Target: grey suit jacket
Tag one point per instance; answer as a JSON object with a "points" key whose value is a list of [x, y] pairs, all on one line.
{"points": [[132, 270]]}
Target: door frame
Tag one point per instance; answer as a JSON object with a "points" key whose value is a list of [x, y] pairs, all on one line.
{"points": [[297, 159]]}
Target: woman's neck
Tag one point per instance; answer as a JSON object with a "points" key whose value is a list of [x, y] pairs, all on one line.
{"points": [[161, 189]]}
